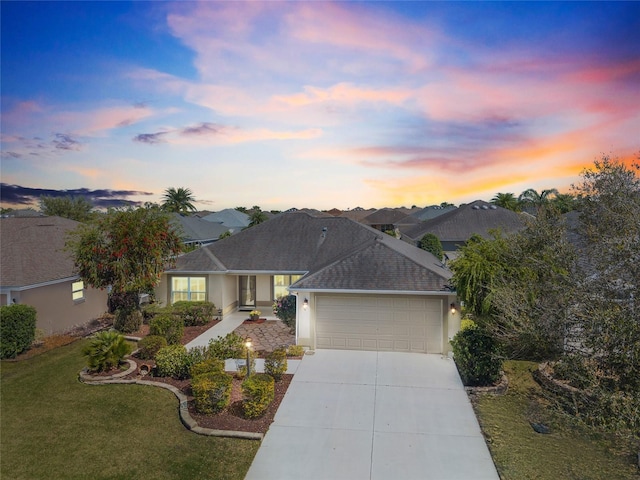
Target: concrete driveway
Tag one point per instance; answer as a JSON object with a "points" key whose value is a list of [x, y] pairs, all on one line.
{"points": [[374, 415]]}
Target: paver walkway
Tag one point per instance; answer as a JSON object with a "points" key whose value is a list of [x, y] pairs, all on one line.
{"points": [[264, 336]]}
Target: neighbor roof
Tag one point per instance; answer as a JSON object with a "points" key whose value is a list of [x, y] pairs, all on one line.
{"points": [[32, 250], [195, 229], [459, 225], [329, 248], [230, 218]]}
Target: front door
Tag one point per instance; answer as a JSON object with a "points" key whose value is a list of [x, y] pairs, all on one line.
{"points": [[247, 292]]}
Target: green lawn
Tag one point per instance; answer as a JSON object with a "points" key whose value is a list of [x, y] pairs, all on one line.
{"points": [[569, 452], [53, 426]]}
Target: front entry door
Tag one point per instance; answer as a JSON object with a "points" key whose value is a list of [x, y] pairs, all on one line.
{"points": [[247, 291]]}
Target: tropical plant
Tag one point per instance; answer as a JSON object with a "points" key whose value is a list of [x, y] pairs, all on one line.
{"points": [[564, 202], [178, 200], [431, 244], [106, 350], [506, 200], [257, 217], [536, 200]]}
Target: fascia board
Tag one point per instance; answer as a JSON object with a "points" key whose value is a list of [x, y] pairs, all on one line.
{"points": [[377, 292]]}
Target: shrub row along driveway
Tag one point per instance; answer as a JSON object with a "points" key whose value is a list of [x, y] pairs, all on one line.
{"points": [[374, 415]]}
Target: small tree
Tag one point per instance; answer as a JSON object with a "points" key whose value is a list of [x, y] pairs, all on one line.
{"points": [[105, 351], [285, 309], [431, 244], [126, 250]]}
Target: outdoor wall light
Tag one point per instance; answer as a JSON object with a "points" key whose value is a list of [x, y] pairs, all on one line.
{"points": [[305, 304], [453, 308]]}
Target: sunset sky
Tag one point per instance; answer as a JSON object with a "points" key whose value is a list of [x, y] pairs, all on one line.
{"points": [[313, 104]]}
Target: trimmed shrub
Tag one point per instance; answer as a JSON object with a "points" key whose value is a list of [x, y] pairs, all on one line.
{"points": [[295, 351], [128, 321], [173, 361], [477, 356], [150, 310], [241, 372], [106, 350], [258, 391], [194, 313], [17, 329], [275, 364], [168, 326], [206, 366], [285, 309], [149, 346], [231, 345], [211, 391]]}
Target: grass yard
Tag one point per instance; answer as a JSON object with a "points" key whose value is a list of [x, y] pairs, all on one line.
{"points": [[570, 451], [53, 426]]}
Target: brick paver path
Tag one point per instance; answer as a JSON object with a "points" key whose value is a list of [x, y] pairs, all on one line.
{"points": [[266, 336]]}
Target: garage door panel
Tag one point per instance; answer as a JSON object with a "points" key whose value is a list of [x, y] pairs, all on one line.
{"points": [[393, 323]]}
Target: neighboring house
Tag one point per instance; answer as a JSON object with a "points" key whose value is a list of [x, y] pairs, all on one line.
{"points": [[455, 227], [357, 214], [433, 211], [389, 219], [231, 218], [357, 288], [196, 231], [35, 270]]}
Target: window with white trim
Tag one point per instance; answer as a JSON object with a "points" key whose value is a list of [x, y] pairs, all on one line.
{"points": [[77, 291], [281, 283], [188, 288]]}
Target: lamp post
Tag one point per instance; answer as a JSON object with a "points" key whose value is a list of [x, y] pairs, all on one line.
{"points": [[247, 344]]}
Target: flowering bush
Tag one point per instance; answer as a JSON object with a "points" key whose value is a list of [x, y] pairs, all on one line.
{"points": [[285, 309]]}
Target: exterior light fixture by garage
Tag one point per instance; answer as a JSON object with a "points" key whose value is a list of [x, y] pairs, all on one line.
{"points": [[247, 343], [453, 308], [305, 304]]}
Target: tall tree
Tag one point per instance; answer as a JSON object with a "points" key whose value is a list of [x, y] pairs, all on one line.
{"points": [[608, 307], [536, 200], [564, 202], [506, 200], [126, 250], [75, 208], [432, 244], [178, 200]]}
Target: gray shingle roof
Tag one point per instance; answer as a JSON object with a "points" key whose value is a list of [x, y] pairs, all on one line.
{"points": [[330, 248], [31, 250], [459, 225], [194, 229], [230, 218]]}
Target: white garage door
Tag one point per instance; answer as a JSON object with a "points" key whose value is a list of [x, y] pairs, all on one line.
{"points": [[382, 322]]}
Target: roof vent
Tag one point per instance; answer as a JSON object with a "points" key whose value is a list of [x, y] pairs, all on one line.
{"points": [[476, 207], [485, 207], [493, 207]]}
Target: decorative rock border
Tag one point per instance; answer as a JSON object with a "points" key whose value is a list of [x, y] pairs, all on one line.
{"points": [[185, 417], [498, 389]]}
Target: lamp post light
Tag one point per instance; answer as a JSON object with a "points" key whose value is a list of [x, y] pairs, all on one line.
{"points": [[247, 344]]}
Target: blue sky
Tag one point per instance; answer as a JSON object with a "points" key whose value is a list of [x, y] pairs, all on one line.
{"points": [[314, 104]]}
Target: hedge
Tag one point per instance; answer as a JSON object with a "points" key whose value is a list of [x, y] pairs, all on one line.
{"points": [[17, 329], [194, 313]]}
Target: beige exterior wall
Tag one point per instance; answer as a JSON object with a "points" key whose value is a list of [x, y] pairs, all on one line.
{"points": [[56, 310]]}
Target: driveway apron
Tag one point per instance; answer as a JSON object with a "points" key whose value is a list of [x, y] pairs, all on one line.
{"points": [[374, 415]]}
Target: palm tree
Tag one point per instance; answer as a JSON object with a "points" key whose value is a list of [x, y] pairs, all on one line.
{"points": [[506, 200], [178, 200], [537, 200], [564, 202], [256, 217]]}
